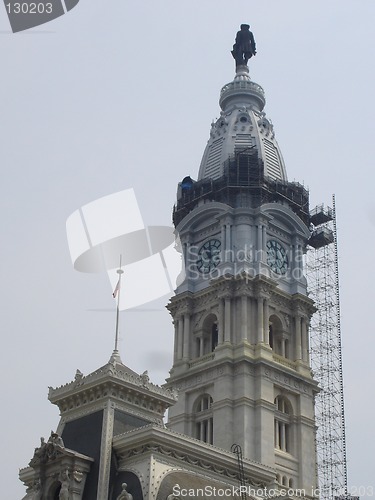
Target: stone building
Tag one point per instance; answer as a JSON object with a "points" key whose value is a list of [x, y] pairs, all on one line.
{"points": [[240, 392]]}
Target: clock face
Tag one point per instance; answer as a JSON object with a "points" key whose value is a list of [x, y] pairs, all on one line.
{"points": [[277, 258], [208, 256]]}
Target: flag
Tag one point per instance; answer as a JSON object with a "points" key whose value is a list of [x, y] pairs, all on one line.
{"points": [[116, 290]]}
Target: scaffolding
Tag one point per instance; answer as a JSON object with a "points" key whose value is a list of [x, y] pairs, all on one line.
{"points": [[243, 184], [326, 353]]}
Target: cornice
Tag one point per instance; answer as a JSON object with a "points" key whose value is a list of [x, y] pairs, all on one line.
{"points": [[112, 378], [184, 449]]}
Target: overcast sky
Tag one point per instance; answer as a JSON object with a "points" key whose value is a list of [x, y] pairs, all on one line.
{"points": [[120, 94]]}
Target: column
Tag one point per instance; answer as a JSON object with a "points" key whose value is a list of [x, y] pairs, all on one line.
{"points": [[260, 320], [260, 243], [227, 320], [266, 322], [105, 451], [223, 244], [299, 354], [264, 237], [201, 345], [298, 337], [244, 324], [209, 432], [283, 347], [282, 437], [175, 350], [187, 259], [180, 337], [305, 355], [299, 261], [307, 323], [277, 436], [221, 322], [228, 244], [186, 335]]}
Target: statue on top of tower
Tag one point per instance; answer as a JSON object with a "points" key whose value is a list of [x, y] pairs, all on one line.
{"points": [[244, 47]]}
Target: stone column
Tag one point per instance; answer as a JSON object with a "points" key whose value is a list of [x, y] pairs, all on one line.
{"points": [[266, 322], [105, 450], [201, 345], [227, 319], [228, 244], [283, 347], [277, 437], [244, 323], [282, 437], [305, 354], [260, 243], [186, 335], [209, 431], [221, 322], [175, 350], [180, 336], [298, 337], [187, 259], [260, 320], [223, 244], [264, 237]]}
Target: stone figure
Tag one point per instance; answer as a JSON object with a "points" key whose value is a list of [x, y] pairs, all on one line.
{"points": [[64, 492], [145, 378], [56, 440], [124, 495], [244, 47]]}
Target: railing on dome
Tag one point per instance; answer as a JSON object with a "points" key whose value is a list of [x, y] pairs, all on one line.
{"points": [[243, 184]]}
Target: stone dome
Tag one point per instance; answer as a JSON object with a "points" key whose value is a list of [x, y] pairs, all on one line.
{"points": [[242, 126]]}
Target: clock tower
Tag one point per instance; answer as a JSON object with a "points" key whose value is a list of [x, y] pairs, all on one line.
{"points": [[241, 312]]}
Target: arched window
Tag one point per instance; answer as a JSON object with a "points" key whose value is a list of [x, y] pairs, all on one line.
{"points": [[278, 339], [283, 425], [209, 337], [203, 419]]}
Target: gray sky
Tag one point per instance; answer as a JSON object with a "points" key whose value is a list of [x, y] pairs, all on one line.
{"points": [[119, 94]]}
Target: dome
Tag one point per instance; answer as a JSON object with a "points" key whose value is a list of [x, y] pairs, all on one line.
{"points": [[242, 126]]}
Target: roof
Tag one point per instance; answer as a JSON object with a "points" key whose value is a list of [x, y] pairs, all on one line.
{"points": [[242, 126]]}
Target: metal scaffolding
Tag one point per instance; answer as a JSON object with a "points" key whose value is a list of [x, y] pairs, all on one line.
{"points": [[326, 353]]}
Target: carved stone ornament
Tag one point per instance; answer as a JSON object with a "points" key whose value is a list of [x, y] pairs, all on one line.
{"points": [[124, 495], [48, 451]]}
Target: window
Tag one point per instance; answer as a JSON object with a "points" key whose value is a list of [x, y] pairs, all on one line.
{"points": [[283, 414], [278, 339], [203, 419], [208, 338]]}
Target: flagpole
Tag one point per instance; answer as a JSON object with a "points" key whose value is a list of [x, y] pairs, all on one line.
{"points": [[118, 288]]}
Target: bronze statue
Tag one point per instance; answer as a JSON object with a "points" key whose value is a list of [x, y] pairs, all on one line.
{"points": [[244, 47]]}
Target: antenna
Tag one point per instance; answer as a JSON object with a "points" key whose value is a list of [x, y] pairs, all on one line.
{"points": [[116, 294]]}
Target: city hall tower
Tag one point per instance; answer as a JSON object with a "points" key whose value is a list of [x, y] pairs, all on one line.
{"points": [[241, 311]]}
